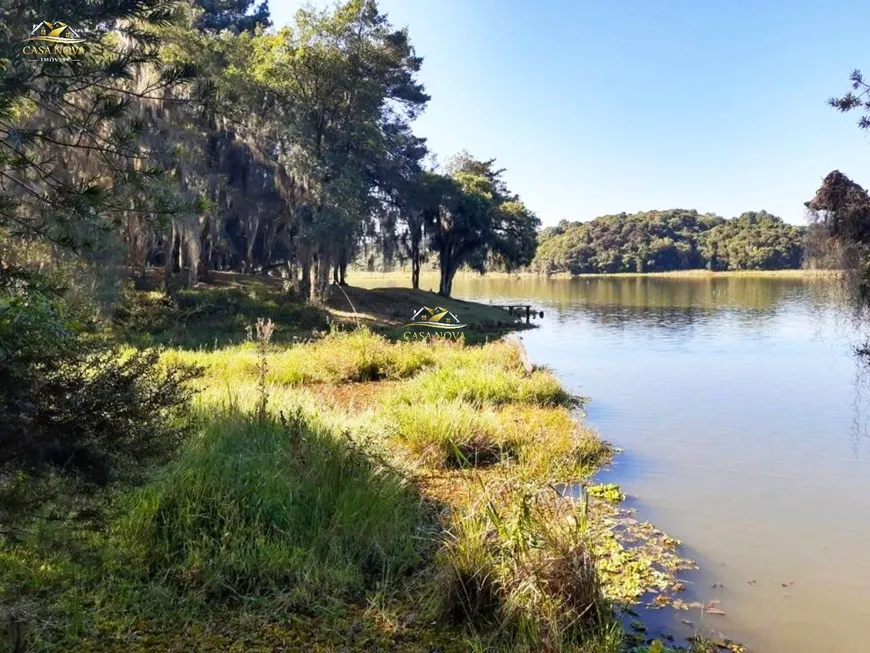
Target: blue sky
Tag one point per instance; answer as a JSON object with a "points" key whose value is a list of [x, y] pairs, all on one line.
{"points": [[629, 105]]}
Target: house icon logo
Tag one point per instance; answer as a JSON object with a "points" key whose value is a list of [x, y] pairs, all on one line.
{"points": [[436, 319], [56, 32], [53, 42]]}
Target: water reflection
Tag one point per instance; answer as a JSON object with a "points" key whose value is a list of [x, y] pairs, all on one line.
{"points": [[650, 292]]}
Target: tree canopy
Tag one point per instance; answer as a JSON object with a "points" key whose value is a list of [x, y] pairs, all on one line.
{"points": [[235, 15], [477, 221], [840, 209], [661, 241], [755, 240], [194, 139]]}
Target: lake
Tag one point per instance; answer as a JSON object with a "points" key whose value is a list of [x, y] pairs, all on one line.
{"points": [[741, 411]]}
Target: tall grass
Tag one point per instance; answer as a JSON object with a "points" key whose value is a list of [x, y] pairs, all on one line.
{"points": [[450, 433], [547, 443], [282, 503], [257, 507], [487, 384], [517, 559], [354, 356]]}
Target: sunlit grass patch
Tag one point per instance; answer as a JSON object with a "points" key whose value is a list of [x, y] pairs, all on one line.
{"points": [[449, 433], [552, 445], [487, 384], [358, 355], [361, 355], [353, 356], [501, 353], [547, 443]]}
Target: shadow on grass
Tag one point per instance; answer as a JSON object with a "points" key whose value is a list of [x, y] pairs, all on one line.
{"points": [[259, 518], [212, 317]]}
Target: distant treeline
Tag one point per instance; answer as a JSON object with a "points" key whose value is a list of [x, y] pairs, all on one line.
{"points": [[677, 239]]}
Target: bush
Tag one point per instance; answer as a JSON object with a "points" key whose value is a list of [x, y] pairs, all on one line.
{"points": [[72, 412]]}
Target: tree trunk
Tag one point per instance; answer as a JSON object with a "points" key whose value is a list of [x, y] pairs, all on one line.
{"points": [[320, 289], [191, 240], [269, 243], [206, 253], [415, 266], [416, 238], [342, 272], [180, 237], [448, 269], [446, 287], [253, 228], [304, 287], [192, 273], [169, 247]]}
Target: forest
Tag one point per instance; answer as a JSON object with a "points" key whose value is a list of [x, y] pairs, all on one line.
{"points": [[191, 138], [662, 241]]}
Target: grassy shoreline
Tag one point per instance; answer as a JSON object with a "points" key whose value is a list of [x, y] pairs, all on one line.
{"points": [[349, 492]]}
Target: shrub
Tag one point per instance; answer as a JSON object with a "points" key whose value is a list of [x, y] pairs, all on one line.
{"points": [[73, 412]]}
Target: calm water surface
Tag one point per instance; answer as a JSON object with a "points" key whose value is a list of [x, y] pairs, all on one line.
{"points": [[739, 409]]}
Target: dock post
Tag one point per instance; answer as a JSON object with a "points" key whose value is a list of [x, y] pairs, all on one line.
{"points": [[528, 313]]}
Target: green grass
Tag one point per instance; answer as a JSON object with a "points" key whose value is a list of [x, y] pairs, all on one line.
{"points": [[256, 514], [546, 443], [487, 384], [518, 559], [450, 433], [260, 508], [211, 317], [352, 356], [426, 519]]}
